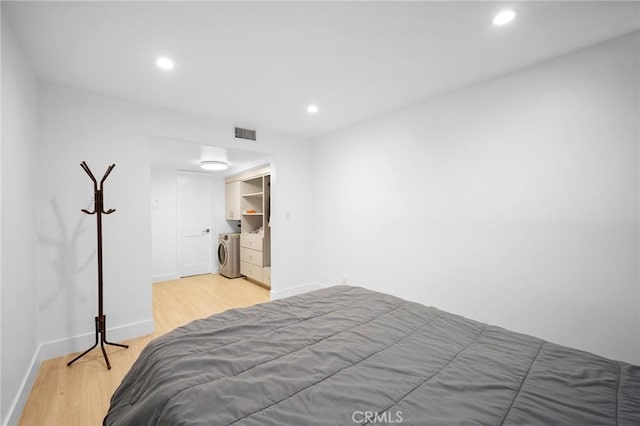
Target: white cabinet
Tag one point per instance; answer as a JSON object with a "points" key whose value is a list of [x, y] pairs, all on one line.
{"points": [[232, 200], [248, 198], [252, 241], [251, 271], [254, 257]]}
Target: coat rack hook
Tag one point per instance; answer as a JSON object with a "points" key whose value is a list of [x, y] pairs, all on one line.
{"points": [[86, 168], [107, 173]]}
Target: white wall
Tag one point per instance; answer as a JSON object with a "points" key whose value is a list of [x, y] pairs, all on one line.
{"points": [[78, 125], [513, 202], [164, 247], [293, 221], [19, 237]]}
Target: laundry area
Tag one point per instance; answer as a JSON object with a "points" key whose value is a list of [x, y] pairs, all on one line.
{"points": [[210, 212]]}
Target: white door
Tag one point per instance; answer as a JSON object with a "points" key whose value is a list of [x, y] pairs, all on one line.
{"points": [[194, 224]]}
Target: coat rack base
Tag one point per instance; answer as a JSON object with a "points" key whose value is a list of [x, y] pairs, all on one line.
{"points": [[101, 337]]}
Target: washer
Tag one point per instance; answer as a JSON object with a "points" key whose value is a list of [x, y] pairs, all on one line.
{"points": [[229, 255]]}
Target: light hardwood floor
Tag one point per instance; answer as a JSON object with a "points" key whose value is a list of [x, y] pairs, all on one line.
{"points": [[79, 395]]}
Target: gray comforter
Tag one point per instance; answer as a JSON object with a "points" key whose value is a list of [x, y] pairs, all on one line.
{"points": [[346, 355]]}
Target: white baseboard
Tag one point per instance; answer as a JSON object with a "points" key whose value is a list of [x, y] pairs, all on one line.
{"points": [[81, 342], [292, 291], [164, 277], [176, 276], [62, 347]]}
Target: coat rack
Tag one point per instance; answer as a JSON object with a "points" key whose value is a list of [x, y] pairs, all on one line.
{"points": [[101, 319]]}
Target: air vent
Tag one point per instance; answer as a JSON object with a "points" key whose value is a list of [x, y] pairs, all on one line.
{"points": [[245, 134]]}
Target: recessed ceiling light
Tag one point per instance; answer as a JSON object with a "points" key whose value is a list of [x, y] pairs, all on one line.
{"points": [[504, 17], [214, 165], [312, 109], [164, 63]]}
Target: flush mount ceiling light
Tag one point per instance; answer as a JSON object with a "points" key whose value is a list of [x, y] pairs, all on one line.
{"points": [[312, 109], [214, 165], [164, 63], [504, 17]]}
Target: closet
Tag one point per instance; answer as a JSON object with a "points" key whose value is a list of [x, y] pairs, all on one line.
{"points": [[248, 198]]}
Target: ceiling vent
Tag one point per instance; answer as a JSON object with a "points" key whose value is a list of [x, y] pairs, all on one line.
{"points": [[245, 134]]}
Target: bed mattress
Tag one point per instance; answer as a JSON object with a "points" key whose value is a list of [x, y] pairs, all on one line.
{"points": [[346, 355]]}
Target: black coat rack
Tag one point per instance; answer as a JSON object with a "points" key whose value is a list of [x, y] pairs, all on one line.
{"points": [[101, 319]]}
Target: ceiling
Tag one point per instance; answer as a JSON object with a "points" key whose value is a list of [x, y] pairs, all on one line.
{"points": [[185, 155], [260, 64]]}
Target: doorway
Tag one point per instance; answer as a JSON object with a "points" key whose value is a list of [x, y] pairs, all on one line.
{"points": [[170, 158]]}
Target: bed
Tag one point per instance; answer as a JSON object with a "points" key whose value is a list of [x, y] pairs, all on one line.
{"points": [[346, 355]]}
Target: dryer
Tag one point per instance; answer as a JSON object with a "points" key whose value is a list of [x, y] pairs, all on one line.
{"points": [[229, 255]]}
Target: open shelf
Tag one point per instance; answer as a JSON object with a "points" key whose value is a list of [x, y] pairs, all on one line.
{"points": [[252, 186], [253, 194]]}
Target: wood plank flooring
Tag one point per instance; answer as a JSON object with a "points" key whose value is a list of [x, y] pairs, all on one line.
{"points": [[79, 395]]}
